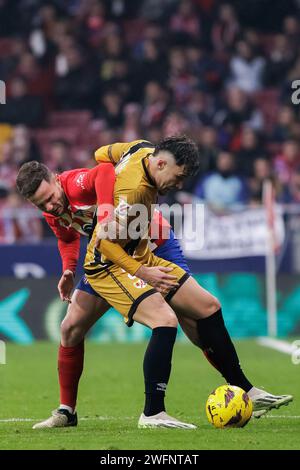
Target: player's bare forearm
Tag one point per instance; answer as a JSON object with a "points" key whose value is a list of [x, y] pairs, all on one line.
{"points": [[65, 285]]}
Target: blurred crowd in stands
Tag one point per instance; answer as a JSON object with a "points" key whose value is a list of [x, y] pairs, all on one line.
{"points": [[84, 73]]}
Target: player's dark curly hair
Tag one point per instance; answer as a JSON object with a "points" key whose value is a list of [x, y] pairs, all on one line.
{"points": [[30, 176], [184, 150]]}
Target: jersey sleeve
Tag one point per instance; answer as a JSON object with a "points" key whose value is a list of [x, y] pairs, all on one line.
{"points": [[69, 253], [115, 253], [101, 179], [114, 152], [94, 186], [68, 241]]}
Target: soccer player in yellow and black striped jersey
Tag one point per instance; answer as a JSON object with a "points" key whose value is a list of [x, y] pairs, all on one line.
{"points": [[113, 269]]}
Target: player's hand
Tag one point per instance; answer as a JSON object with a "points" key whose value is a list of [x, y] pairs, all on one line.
{"points": [[158, 278], [65, 285]]}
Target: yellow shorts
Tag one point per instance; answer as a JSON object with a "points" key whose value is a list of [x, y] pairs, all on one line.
{"points": [[125, 292]]}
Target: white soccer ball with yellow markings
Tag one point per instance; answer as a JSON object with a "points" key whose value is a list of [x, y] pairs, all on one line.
{"points": [[228, 407]]}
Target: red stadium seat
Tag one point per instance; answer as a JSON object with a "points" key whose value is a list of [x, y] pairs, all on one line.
{"points": [[45, 136], [80, 119]]}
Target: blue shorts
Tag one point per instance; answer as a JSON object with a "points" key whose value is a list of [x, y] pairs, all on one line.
{"points": [[170, 250]]}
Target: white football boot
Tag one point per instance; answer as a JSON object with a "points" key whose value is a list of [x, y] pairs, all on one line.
{"points": [[263, 401], [162, 420], [60, 418]]}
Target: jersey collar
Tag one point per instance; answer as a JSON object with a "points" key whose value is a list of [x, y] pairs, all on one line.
{"points": [[147, 174]]}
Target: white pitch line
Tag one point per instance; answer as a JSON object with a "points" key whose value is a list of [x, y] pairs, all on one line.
{"points": [[98, 418], [280, 417], [277, 344], [105, 418]]}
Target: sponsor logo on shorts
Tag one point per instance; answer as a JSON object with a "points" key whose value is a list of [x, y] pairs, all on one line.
{"points": [[139, 284]]}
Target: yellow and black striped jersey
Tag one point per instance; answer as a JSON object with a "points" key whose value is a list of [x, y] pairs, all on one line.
{"points": [[115, 152], [134, 186]]}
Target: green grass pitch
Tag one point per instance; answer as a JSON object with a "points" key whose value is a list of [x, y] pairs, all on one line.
{"points": [[111, 400]]}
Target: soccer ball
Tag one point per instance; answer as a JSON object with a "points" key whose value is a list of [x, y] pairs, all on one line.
{"points": [[228, 407]]}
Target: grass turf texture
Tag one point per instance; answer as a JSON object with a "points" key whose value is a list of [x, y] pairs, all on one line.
{"points": [[111, 400]]}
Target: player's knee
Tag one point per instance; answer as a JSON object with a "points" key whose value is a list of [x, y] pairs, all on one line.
{"points": [[71, 334], [171, 321], [165, 317], [213, 305]]}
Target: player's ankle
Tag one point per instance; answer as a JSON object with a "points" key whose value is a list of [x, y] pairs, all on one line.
{"points": [[66, 407]]}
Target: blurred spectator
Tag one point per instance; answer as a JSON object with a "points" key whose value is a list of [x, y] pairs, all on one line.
{"points": [[132, 124], [253, 38], [116, 75], [25, 147], [209, 71], [93, 21], [65, 42], [280, 61], [283, 128], [291, 30], [59, 156], [208, 140], [225, 29], [175, 123], [246, 69], [20, 223], [237, 111], [75, 88], [199, 108], [186, 20], [287, 161], [154, 134], [262, 171], [156, 102], [157, 9], [111, 110], [39, 80], [10, 61], [8, 168], [181, 80], [223, 189], [113, 48], [43, 33], [150, 66], [21, 107], [250, 149], [291, 194]]}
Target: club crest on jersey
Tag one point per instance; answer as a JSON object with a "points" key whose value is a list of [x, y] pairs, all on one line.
{"points": [[79, 180], [122, 209]]}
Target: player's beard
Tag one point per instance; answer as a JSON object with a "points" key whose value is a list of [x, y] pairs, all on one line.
{"points": [[62, 206]]}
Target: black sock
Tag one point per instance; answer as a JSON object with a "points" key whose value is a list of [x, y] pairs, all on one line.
{"points": [[157, 368], [220, 351]]}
